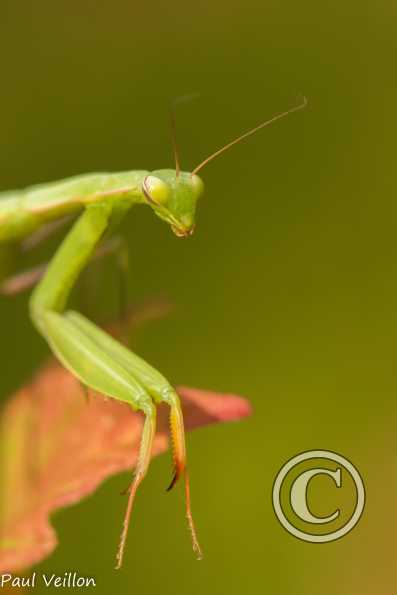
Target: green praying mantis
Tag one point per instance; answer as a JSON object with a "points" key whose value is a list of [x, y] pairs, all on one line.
{"points": [[97, 360]]}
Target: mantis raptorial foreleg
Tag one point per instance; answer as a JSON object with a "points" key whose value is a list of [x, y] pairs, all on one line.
{"points": [[99, 361], [161, 391]]}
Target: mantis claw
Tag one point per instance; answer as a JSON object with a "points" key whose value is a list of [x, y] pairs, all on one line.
{"points": [[179, 456], [174, 479]]}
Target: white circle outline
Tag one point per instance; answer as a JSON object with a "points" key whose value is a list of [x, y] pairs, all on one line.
{"points": [[336, 458]]}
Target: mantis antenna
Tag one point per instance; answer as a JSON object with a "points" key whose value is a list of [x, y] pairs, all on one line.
{"points": [[300, 106], [181, 99], [174, 143]]}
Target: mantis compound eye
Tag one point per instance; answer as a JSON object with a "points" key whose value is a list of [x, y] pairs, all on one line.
{"points": [[156, 191]]}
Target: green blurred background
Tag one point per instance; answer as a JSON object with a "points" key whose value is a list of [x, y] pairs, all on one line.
{"points": [[286, 293]]}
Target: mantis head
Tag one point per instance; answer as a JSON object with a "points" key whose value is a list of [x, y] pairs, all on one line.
{"points": [[173, 196]]}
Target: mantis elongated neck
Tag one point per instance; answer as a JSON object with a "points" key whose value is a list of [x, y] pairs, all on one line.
{"points": [[25, 211]]}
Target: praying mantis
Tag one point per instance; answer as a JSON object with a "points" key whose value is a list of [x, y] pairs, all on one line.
{"points": [[95, 358]]}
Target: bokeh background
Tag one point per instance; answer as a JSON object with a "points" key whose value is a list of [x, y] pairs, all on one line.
{"points": [[286, 294]]}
